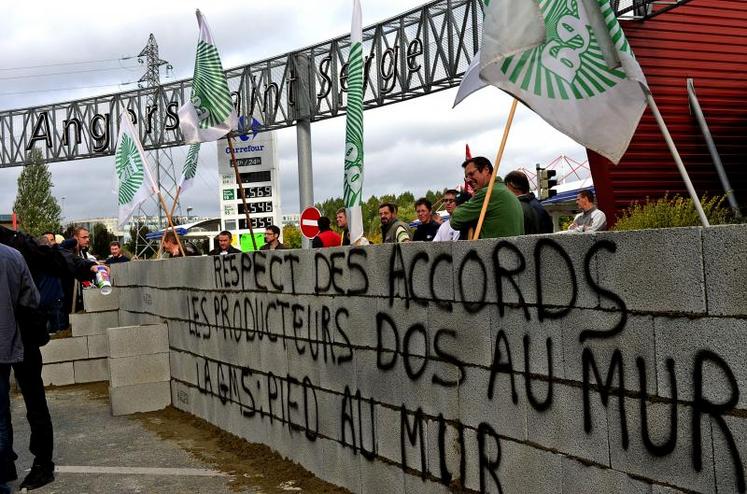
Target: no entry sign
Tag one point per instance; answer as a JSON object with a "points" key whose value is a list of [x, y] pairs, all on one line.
{"points": [[309, 226]]}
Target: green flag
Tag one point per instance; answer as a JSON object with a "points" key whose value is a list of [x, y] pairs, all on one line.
{"points": [[134, 181], [190, 167], [353, 187], [209, 114], [570, 62]]}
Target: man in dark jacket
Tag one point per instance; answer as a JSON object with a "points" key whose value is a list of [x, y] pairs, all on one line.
{"points": [[52, 261], [224, 245], [536, 219]]}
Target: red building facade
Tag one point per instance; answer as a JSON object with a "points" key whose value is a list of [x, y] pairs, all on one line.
{"points": [[705, 40]]}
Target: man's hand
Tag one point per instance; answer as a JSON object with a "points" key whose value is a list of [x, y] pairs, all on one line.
{"points": [[95, 268]]}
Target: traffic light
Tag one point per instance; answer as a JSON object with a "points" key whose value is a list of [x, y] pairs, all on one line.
{"points": [[546, 183]]}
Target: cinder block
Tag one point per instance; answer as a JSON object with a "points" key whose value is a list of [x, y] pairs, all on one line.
{"points": [[147, 397], [88, 371], [377, 477], [89, 323], [526, 469], [98, 346], [341, 466], [127, 318], [138, 340], [725, 260], [65, 350], [509, 332], [586, 479], [60, 374], [559, 277], [404, 315], [674, 469], [383, 385], [379, 257], [471, 340], [508, 418], [388, 420], [425, 283], [94, 301], [451, 451], [662, 489], [636, 340], [360, 322], [474, 276], [726, 461], [684, 339], [561, 426], [127, 371], [661, 281]]}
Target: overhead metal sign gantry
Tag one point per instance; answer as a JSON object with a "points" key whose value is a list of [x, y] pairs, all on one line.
{"points": [[419, 52]]}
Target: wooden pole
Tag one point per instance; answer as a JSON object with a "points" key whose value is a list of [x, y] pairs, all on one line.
{"points": [[241, 191], [171, 223], [676, 156], [496, 164], [176, 200]]}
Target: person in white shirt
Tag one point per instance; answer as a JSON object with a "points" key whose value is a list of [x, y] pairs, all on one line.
{"points": [[445, 232], [590, 219]]}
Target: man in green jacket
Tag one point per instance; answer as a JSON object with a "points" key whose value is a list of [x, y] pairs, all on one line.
{"points": [[504, 217]]}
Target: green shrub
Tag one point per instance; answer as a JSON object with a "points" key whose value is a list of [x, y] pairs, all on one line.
{"points": [[672, 212]]}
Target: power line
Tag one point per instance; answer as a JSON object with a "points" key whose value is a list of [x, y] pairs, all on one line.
{"points": [[66, 88], [60, 73], [67, 63]]}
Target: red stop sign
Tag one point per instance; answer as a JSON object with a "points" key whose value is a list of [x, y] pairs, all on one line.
{"points": [[309, 226]]}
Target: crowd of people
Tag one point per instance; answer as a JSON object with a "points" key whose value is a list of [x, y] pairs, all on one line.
{"points": [[512, 210]]}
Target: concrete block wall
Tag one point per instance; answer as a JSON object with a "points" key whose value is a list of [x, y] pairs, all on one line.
{"points": [[139, 368], [569, 363]]}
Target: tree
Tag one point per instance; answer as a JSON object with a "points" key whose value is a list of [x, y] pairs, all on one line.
{"points": [[291, 237], [101, 240], [35, 206]]}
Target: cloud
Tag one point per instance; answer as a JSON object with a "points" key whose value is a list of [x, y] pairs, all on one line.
{"points": [[414, 145]]}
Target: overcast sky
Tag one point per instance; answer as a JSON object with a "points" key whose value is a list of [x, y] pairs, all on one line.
{"points": [[416, 145]]}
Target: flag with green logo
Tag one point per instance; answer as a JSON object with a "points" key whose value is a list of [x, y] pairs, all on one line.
{"points": [[353, 187], [209, 114], [134, 182], [569, 61], [189, 170]]}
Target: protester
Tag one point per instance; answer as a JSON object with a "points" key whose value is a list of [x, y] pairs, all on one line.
{"points": [[52, 261], [272, 239], [445, 232], [342, 223], [224, 245], [326, 237], [73, 288], [503, 218], [392, 229], [536, 219], [590, 219], [17, 290], [171, 246], [427, 228], [50, 236], [115, 249], [51, 295]]}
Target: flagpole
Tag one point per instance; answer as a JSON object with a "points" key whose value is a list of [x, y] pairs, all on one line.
{"points": [[176, 200], [241, 191], [496, 164], [676, 156], [171, 223]]}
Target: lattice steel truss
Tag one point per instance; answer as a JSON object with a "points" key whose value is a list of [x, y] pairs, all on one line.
{"points": [[422, 51]]}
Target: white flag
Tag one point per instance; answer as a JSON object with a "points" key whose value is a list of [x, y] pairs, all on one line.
{"points": [[209, 114], [189, 170], [134, 182], [353, 187], [581, 76]]}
